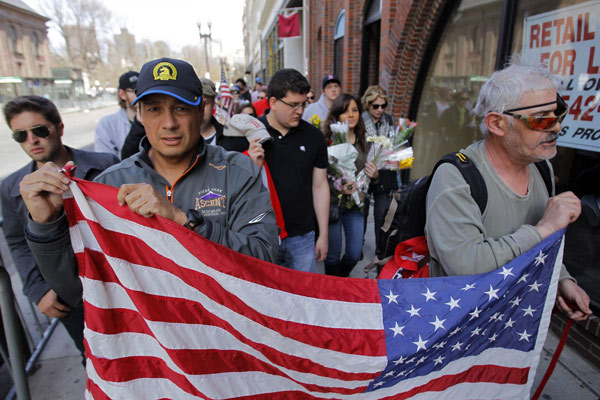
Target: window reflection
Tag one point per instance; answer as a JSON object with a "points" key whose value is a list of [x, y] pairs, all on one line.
{"points": [[462, 63]]}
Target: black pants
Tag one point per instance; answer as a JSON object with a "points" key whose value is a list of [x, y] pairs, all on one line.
{"points": [[382, 202], [73, 322]]}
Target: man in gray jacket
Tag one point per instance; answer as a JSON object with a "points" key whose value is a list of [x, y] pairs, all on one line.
{"points": [[37, 126], [331, 90], [217, 194], [521, 113]]}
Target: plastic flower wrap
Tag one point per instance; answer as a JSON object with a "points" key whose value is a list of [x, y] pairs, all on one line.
{"points": [[316, 121], [341, 168], [386, 154]]}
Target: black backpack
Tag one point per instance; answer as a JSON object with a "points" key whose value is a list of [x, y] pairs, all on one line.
{"points": [[405, 218]]}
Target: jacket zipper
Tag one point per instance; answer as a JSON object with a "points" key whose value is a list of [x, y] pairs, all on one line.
{"points": [[169, 191]]}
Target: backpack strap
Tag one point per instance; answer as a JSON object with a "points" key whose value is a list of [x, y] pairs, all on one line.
{"points": [[471, 175], [544, 169]]}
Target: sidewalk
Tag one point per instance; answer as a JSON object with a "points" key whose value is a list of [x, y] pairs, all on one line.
{"points": [[60, 374]]}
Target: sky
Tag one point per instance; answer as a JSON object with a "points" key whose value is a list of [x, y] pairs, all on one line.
{"points": [[173, 21]]}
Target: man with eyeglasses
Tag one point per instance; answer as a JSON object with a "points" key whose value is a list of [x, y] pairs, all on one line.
{"points": [[297, 159], [331, 86], [37, 126], [112, 130], [521, 112]]}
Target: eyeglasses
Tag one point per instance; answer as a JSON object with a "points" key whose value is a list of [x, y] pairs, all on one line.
{"points": [[295, 107], [40, 131], [261, 97], [310, 97], [542, 122], [376, 106]]}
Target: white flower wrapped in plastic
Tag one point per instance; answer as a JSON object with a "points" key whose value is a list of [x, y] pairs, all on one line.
{"points": [[341, 165], [339, 132]]}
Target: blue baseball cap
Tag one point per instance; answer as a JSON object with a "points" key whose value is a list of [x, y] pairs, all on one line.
{"points": [[172, 77], [329, 78]]}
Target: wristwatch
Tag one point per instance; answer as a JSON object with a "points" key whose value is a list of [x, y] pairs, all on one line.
{"points": [[194, 219]]}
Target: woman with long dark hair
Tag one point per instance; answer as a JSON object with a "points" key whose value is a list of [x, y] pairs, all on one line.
{"points": [[346, 109]]}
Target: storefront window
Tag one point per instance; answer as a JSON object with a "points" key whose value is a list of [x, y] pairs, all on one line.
{"points": [[464, 59], [565, 34]]}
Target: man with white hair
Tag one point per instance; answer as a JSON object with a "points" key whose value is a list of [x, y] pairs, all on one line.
{"points": [[521, 111]]}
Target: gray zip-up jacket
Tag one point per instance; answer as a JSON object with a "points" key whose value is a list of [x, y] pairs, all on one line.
{"points": [[226, 187]]}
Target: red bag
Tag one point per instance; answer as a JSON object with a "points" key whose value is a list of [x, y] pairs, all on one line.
{"points": [[410, 260]]}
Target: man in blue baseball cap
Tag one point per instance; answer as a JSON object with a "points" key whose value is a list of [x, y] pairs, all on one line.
{"points": [[331, 90], [217, 194]]}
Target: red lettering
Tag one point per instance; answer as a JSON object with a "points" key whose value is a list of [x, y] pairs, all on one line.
{"points": [[569, 31], [558, 23], [546, 33], [535, 36], [568, 62], [592, 69], [587, 35], [544, 58], [590, 101], [575, 109], [555, 62]]}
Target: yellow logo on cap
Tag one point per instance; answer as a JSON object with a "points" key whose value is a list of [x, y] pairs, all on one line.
{"points": [[164, 71]]}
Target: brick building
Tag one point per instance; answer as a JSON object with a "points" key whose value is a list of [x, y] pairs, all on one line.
{"points": [[25, 60]]}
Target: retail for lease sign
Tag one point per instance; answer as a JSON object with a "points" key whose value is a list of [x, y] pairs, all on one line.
{"points": [[568, 40]]}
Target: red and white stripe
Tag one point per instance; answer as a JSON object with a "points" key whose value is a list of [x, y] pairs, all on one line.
{"points": [[173, 310], [169, 314]]}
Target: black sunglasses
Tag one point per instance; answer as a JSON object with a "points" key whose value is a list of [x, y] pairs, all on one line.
{"points": [[40, 131], [376, 106]]}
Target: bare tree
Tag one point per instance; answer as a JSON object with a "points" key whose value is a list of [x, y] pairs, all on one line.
{"points": [[82, 24]]}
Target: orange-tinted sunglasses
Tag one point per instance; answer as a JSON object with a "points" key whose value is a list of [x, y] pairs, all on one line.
{"points": [[541, 123]]}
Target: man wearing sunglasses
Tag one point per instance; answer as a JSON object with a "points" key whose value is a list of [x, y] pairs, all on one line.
{"points": [[37, 127], [521, 113]]}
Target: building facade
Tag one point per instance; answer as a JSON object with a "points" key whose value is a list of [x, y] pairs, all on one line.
{"points": [[433, 54], [265, 51], [25, 55]]}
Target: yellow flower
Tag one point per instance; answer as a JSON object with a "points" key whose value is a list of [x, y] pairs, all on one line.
{"points": [[406, 163], [315, 120]]}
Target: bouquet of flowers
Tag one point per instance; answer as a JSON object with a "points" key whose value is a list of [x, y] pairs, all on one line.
{"points": [[342, 169], [386, 154], [404, 129], [316, 121], [339, 133]]}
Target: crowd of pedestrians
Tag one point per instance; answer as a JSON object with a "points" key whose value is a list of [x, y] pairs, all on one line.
{"points": [[280, 203]]}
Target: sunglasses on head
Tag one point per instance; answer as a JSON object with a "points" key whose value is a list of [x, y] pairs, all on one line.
{"points": [[40, 131], [376, 106], [542, 122]]}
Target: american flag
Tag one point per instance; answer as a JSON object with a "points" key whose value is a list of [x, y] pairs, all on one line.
{"points": [[169, 314], [225, 94]]}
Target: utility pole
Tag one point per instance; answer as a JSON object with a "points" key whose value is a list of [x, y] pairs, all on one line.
{"points": [[206, 37]]}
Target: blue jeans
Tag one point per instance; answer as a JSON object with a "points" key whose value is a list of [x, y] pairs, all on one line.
{"points": [[353, 222], [298, 252]]}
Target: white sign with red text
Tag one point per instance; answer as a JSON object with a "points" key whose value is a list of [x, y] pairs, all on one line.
{"points": [[568, 40]]}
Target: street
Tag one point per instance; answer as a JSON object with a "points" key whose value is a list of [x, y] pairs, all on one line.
{"points": [[79, 133]]}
